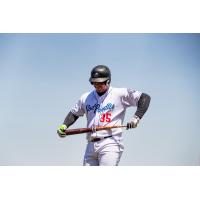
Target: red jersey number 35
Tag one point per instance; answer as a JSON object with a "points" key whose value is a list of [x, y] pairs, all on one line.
{"points": [[105, 117]]}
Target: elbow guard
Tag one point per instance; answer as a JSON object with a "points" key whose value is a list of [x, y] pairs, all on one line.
{"points": [[70, 119], [143, 105]]}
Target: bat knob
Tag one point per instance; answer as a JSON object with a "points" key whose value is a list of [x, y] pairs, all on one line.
{"points": [[61, 134]]}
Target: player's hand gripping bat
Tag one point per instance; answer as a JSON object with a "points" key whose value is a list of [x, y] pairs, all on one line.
{"points": [[86, 130]]}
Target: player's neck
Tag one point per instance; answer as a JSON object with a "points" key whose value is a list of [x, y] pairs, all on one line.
{"points": [[101, 93]]}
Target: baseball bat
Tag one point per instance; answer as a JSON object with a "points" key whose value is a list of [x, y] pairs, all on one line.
{"points": [[86, 130]]}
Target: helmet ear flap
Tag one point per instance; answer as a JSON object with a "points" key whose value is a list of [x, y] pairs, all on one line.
{"points": [[108, 82]]}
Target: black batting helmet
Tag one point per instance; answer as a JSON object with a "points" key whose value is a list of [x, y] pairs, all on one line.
{"points": [[100, 73]]}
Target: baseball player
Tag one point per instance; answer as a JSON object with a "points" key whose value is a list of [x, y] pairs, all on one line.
{"points": [[105, 106]]}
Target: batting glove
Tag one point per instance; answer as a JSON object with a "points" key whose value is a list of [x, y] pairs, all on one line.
{"points": [[133, 122], [61, 130]]}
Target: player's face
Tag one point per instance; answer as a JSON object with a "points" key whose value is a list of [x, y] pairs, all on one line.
{"points": [[100, 87]]}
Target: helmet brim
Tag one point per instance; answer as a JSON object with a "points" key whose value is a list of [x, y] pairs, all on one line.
{"points": [[98, 80]]}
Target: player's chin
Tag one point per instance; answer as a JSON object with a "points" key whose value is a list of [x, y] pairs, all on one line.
{"points": [[99, 90]]}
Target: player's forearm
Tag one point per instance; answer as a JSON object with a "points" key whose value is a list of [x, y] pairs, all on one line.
{"points": [[143, 105], [70, 119]]}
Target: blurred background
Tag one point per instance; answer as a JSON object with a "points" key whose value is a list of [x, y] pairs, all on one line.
{"points": [[43, 75]]}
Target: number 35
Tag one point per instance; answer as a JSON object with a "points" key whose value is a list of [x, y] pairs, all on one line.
{"points": [[106, 117]]}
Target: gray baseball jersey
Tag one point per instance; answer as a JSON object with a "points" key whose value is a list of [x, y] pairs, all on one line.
{"points": [[106, 110]]}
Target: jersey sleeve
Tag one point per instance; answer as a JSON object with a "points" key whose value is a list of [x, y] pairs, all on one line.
{"points": [[130, 97], [78, 108]]}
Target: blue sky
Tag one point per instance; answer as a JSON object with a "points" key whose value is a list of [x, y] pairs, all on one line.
{"points": [[43, 75]]}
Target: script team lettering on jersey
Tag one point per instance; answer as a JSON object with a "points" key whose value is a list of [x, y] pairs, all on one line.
{"points": [[96, 107]]}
